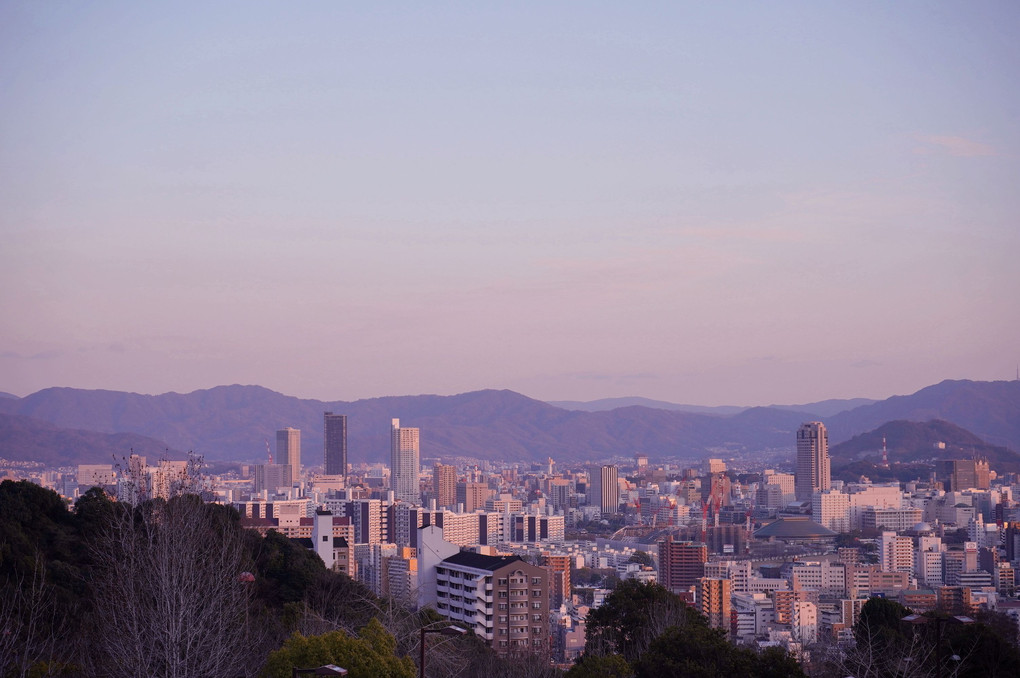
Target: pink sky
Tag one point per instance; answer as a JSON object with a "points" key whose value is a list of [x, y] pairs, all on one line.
{"points": [[742, 205]]}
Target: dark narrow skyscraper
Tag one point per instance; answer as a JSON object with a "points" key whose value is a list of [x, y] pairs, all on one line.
{"points": [[335, 444]]}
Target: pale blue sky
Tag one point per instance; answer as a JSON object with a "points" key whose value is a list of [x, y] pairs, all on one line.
{"points": [[715, 203]]}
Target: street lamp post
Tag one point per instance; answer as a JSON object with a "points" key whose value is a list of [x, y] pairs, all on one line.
{"points": [[450, 630]]}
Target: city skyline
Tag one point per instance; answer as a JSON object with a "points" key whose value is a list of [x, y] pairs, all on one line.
{"points": [[722, 205]]}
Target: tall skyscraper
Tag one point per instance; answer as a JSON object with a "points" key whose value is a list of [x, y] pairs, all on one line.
{"points": [[404, 464], [288, 450], [605, 488], [812, 460], [444, 485], [335, 444]]}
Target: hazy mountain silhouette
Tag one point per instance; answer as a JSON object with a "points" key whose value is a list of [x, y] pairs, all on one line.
{"points": [[235, 422], [824, 408], [605, 404], [988, 409], [911, 441], [28, 439]]}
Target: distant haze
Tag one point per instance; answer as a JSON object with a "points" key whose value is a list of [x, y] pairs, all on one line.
{"points": [[711, 203]]}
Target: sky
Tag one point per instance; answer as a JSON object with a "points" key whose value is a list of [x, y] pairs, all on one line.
{"points": [[735, 203]]}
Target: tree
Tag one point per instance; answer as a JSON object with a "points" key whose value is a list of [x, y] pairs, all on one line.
{"points": [[642, 557], [371, 654], [169, 595], [698, 651], [695, 651], [609, 666], [632, 616]]}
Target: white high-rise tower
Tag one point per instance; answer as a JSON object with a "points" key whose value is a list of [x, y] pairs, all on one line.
{"points": [[404, 463]]}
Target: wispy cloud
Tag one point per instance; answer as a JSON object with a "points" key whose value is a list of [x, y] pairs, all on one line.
{"points": [[960, 147]]}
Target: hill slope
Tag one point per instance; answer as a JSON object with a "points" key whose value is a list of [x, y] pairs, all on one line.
{"points": [[988, 409], [912, 442], [27, 439]]}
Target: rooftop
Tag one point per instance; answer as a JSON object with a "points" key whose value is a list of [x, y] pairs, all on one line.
{"points": [[480, 561], [794, 527]]}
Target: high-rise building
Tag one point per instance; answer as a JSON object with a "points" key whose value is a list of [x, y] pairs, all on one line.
{"points": [[404, 464], [681, 563], [503, 599], [713, 600], [472, 495], [812, 460], [963, 474], [271, 477], [605, 488], [444, 485], [335, 444], [288, 450], [559, 570]]}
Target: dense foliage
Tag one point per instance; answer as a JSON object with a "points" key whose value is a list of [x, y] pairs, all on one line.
{"points": [[885, 645], [156, 589], [645, 631]]}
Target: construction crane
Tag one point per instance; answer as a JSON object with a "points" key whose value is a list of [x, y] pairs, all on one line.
{"points": [[269, 452]]}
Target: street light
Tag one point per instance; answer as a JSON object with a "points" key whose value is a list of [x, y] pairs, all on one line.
{"points": [[450, 630], [939, 623], [327, 670]]}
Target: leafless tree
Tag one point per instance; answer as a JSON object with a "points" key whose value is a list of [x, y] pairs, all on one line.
{"points": [[912, 659], [169, 593], [30, 626]]}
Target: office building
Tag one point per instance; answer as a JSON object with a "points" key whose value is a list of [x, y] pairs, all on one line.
{"points": [[813, 473], [444, 485], [270, 478], [831, 509], [404, 464], [605, 489], [964, 474], [472, 495], [288, 451], [335, 444]]}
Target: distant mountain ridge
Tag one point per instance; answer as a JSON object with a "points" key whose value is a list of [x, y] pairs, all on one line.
{"points": [[606, 404], [824, 408], [235, 422], [28, 439], [912, 442]]}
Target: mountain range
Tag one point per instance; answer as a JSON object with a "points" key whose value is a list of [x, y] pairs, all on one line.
{"points": [[910, 442], [239, 423]]}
